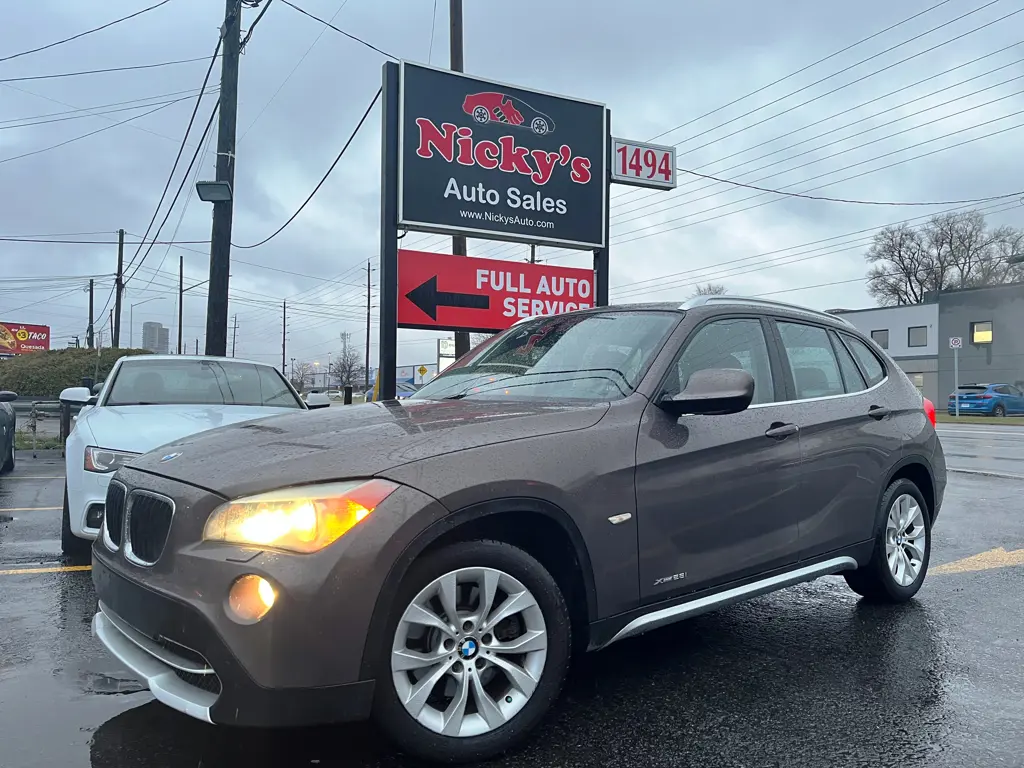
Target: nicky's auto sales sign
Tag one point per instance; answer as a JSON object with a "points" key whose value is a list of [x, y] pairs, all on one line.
{"points": [[493, 161]]}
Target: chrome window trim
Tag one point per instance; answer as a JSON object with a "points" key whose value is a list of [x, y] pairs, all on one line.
{"points": [[129, 554], [819, 399], [104, 533]]}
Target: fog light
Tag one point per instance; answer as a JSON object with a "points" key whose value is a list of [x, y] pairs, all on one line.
{"points": [[250, 598]]}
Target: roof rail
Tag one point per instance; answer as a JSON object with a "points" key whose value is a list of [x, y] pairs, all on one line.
{"points": [[700, 301]]}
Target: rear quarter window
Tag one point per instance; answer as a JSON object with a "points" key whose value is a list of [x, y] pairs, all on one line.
{"points": [[873, 368]]}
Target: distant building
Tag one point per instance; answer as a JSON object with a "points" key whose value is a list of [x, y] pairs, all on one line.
{"points": [[155, 338], [989, 321]]}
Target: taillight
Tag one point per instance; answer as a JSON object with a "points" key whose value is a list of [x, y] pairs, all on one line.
{"points": [[929, 410], [986, 397]]}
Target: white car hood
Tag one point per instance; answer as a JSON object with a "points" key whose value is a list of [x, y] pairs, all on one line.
{"points": [[141, 428]]}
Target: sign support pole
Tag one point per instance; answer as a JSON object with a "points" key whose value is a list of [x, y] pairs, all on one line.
{"points": [[455, 62], [956, 379], [388, 346], [601, 256]]}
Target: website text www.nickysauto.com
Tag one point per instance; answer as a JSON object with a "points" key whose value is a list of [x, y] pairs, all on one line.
{"points": [[506, 220]]}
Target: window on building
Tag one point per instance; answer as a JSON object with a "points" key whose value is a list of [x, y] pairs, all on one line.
{"points": [[918, 380], [981, 333], [881, 338], [917, 336]]}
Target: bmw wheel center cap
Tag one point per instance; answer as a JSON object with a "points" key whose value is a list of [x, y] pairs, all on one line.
{"points": [[468, 649]]}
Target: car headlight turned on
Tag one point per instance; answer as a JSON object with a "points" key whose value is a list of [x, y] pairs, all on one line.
{"points": [[304, 519], [105, 459]]}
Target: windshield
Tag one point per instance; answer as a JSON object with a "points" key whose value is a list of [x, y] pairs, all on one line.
{"points": [[199, 382], [593, 356]]}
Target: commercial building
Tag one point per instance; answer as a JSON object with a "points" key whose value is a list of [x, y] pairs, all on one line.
{"points": [[989, 321], [155, 338]]}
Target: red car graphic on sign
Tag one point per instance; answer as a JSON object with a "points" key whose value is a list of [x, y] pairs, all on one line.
{"points": [[491, 106]]}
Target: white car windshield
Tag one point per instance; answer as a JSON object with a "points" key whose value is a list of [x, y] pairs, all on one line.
{"points": [[592, 356], [199, 382]]}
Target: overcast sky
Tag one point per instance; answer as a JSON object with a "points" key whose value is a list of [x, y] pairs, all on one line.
{"points": [[660, 65]]}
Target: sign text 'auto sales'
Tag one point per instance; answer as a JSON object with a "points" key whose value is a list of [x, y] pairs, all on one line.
{"points": [[442, 291], [485, 159]]}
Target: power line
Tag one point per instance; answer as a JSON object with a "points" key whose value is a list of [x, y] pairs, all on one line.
{"points": [[98, 107], [252, 27], [801, 70], [325, 176], [13, 239], [97, 114], [350, 36], [101, 71], [87, 32], [91, 133], [181, 147]]}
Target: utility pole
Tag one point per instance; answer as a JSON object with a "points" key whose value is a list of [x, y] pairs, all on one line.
{"points": [[533, 254], [366, 367], [197, 347], [112, 328], [181, 296], [234, 335], [89, 333], [220, 235], [115, 326], [455, 63], [284, 337]]}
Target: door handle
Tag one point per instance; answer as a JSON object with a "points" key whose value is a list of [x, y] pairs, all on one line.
{"points": [[780, 431], [878, 412]]}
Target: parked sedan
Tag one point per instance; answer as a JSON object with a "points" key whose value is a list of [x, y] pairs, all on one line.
{"points": [[149, 400], [579, 480], [987, 400], [8, 425]]}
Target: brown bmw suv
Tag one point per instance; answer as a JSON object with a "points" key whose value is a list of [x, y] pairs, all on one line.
{"points": [[574, 481]]}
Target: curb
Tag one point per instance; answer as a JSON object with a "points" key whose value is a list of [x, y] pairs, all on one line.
{"points": [[985, 473]]}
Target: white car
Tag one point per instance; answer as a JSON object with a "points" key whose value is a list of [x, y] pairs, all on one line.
{"points": [[148, 401]]}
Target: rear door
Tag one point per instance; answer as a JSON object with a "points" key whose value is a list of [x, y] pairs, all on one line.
{"points": [[848, 437], [717, 495], [1016, 399]]}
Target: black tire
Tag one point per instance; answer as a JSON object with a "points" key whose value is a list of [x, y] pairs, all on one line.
{"points": [[999, 411], [71, 545], [8, 465], [392, 717], [875, 581]]}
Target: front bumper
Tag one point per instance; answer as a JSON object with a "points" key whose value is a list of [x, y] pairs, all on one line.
{"points": [[196, 673], [87, 492]]}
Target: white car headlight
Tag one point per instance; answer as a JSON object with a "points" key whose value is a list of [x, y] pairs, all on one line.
{"points": [[304, 519], [106, 459]]}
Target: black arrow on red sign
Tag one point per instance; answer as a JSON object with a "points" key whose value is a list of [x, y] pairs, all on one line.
{"points": [[428, 298]]}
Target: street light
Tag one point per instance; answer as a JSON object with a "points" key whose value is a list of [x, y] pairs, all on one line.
{"points": [[131, 317], [213, 191]]}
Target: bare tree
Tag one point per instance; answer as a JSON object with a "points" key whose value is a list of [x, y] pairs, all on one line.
{"points": [[347, 367], [301, 375], [711, 289], [953, 250]]}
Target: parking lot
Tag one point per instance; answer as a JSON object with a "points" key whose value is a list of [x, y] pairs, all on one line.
{"points": [[806, 677]]}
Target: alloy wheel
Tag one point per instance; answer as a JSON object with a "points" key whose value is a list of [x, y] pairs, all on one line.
{"points": [[905, 539], [469, 652]]}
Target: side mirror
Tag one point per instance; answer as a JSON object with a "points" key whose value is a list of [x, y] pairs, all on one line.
{"points": [[79, 395], [318, 400], [8, 397], [712, 392], [97, 387]]}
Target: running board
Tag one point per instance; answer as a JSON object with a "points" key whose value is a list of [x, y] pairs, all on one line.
{"points": [[666, 616]]}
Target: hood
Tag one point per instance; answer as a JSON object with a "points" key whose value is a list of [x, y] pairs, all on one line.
{"points": [[141, 428], [354, 441]]}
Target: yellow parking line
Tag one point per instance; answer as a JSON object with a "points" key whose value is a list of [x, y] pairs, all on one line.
{"points": [[56, 569], [984, 561], [31, 509]]}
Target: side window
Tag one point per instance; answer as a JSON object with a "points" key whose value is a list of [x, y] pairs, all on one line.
{"points": [[1014, 391], [274, 391], [737, 343], [1002, 390], [811, 360], [869, 363], [851, 374]]}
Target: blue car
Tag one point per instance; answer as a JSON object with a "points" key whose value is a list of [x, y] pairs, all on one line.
{"points": [[988, 400]]}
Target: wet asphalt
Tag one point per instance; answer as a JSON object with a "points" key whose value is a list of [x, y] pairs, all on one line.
{"points": [[811, 676]]}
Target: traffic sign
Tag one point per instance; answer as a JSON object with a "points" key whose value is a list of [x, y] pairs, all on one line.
{"points": [[470, 294], [640, 164], [422, 370], [956, 342]]}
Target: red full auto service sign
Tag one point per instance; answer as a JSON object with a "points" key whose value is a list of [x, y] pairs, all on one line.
{"points": [[443, 291], [491, 160]]}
